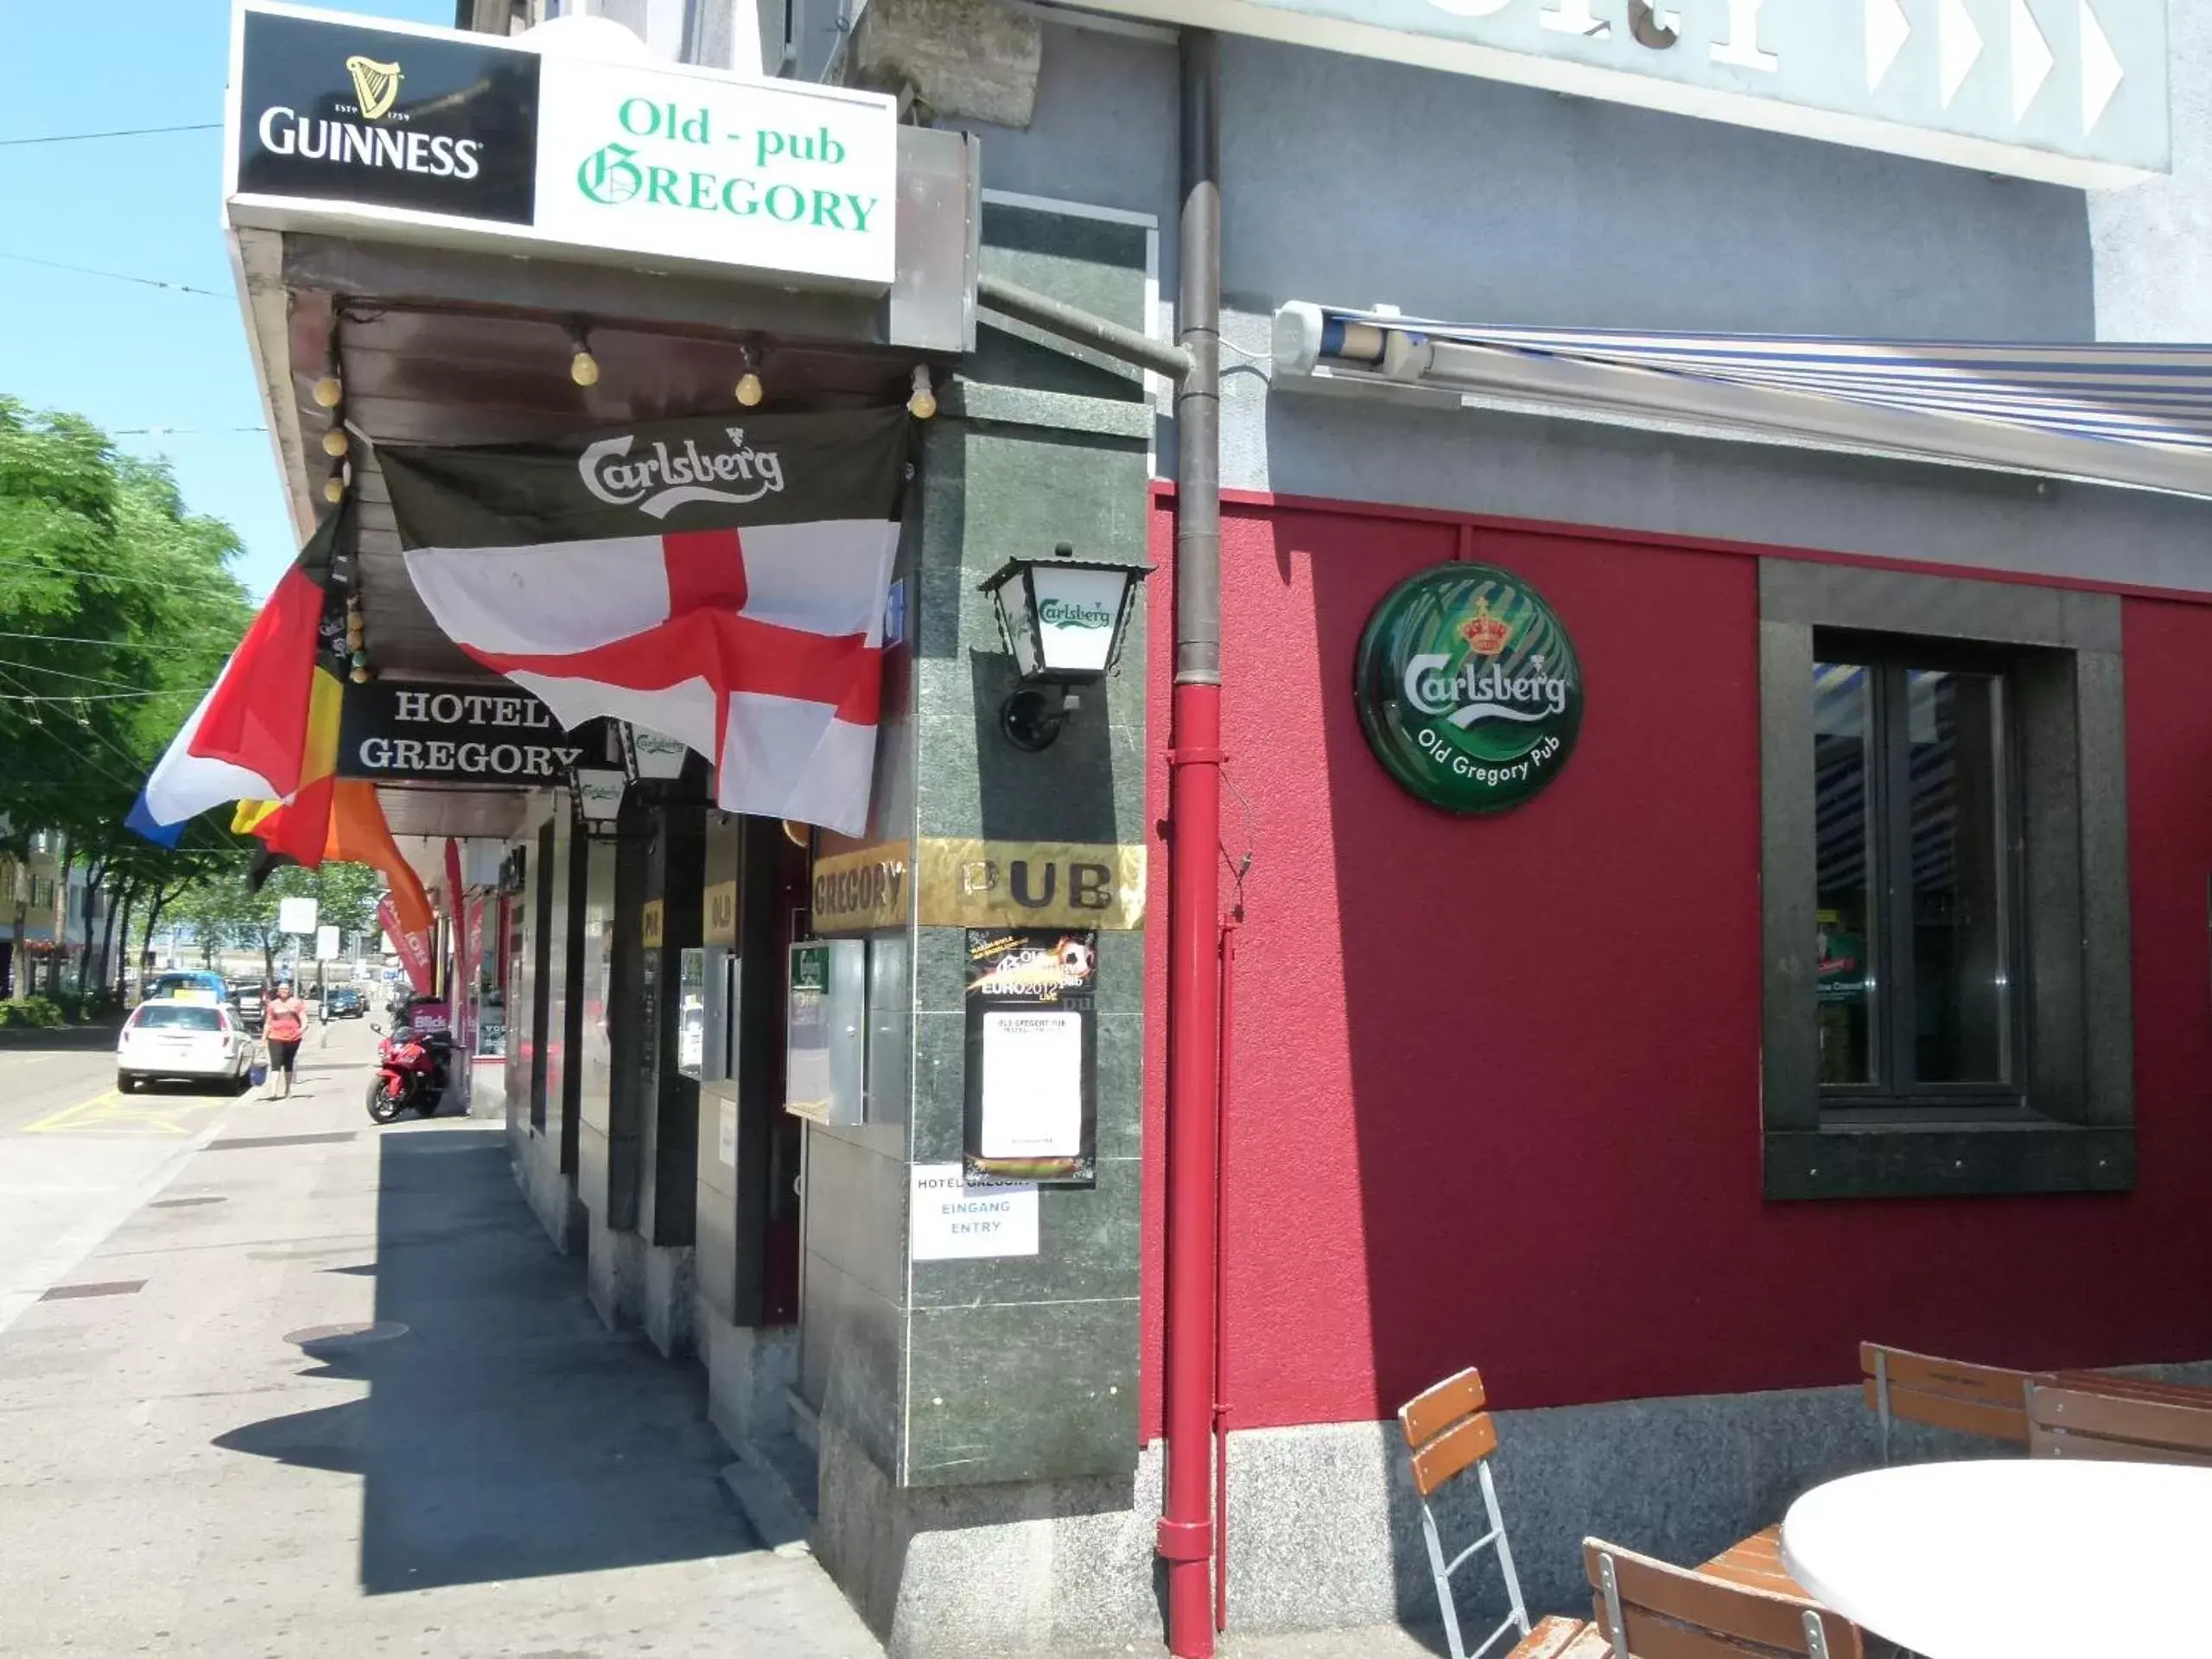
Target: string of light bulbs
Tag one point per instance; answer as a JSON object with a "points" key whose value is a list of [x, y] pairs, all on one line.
{"points": [[750, 389]]}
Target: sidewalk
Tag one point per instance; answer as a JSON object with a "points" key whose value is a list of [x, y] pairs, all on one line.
{"points": [[331, 1392]]}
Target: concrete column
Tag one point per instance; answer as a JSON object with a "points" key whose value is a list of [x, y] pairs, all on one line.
{"points": [[978, 1418]]}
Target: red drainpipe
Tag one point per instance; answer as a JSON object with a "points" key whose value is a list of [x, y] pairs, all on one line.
{"points": [[1221, 1274], [1194, 876]]}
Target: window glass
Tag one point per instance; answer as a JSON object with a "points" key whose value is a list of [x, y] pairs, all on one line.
{"points": [[177, 1016], [1954, 728], [1914, 868], [1844, 827]]}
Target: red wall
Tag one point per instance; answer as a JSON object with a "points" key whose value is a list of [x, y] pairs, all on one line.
{"points": [[1495, 1082]]}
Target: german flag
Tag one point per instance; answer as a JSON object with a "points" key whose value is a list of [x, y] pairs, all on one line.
{"points": [[258, 734]]}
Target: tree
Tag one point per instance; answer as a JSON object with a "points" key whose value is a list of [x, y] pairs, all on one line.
{"points": [[117, 611], [225, 913]]}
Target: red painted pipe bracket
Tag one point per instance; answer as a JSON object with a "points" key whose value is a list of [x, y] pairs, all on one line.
{"points": [[1197, 757], [1185, 1541]]}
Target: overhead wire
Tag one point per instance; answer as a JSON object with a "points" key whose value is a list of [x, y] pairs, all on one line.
{"points": [[112, 133], [86, 570], [115, 276], [101, 738], [135, 644], [89, 679]]}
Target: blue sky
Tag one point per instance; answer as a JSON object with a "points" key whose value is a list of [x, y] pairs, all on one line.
{"points": [[126, 356]]}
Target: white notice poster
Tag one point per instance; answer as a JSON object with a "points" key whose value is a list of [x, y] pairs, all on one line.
{"points": [[725, 1135], [951, 1219], [1032, 1084]]}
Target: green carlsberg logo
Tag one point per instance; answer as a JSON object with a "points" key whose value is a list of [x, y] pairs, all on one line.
{"points": [[1074, 613], [1468, 688]]}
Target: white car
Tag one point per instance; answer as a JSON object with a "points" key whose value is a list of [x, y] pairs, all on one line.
{"points": [[191, 1040]]}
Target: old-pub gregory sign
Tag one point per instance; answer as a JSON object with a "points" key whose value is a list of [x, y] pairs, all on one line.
{"points": [[468, 139], [1468, 688]]}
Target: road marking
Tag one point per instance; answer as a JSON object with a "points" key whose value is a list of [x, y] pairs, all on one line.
{"points": [[47, 1270], [110, 1113]]}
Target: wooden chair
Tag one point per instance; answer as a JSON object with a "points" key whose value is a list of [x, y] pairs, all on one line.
{"points": [[1449, 1433], [1647, 1610], [2137, 1388], [1984, 1399], [2129, 1427], [1756, 1563]]}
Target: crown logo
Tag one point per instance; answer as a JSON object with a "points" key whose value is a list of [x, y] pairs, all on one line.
{"points": [[376, 84], [1485, 634]]}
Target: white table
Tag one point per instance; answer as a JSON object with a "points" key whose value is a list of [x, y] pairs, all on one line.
{"points": [[2011, 1558]]}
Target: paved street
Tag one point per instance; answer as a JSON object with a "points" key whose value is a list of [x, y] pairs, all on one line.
{"points": [[76, 1157], [305, 1386]]}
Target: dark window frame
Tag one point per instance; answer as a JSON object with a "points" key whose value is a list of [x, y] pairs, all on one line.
{"points": [[2074, 1130]]}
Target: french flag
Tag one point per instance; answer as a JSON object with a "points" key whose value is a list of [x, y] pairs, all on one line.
{"points": [[248, 738], [723, 585]]}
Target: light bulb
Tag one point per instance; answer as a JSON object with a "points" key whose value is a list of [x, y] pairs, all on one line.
{"points": [[749, 389], [922, 403], [328, 392], [362, 675], [583, 369], [334, 489], [360, 660], [335, 441]]}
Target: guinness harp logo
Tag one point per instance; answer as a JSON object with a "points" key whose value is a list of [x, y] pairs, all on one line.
{"points": [[377, 86]]}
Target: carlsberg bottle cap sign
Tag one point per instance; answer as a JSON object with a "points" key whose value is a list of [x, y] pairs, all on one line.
{"points": [[1468, 688]]}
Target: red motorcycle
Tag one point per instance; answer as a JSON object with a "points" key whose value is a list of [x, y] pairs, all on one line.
{"points": [[410, 1076]]}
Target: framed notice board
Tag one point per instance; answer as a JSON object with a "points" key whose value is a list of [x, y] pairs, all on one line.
{"points": [[1033, 1055]]}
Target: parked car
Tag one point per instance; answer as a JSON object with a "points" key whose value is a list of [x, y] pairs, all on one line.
{"points": [[205, 988], [176, 1038], [246, 999], [343, 1002]]}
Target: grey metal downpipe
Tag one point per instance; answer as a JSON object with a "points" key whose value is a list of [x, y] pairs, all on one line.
{"points": [[1198, 399]]}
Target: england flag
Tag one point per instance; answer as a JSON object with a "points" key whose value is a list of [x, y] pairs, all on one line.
{"points": [[720, 582]]}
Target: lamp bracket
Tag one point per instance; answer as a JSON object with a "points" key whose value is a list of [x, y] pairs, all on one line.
{"points": [[1032, 716]]}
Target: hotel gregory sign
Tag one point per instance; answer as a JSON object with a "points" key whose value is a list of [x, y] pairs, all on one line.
{"points": [[335, 125], [2069, 91], [392, 732], [1468, 688]]}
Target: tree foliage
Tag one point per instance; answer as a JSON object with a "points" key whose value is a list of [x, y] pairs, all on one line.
{"points": [[117, 608], [223, 913]]}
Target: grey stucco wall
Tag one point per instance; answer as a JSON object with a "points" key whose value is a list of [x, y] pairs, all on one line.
{"points": [[2154, 244], [1350, 180], [1353, 181]]}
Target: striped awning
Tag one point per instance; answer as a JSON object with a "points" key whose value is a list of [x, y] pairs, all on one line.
{"points": [[2138, 416]]}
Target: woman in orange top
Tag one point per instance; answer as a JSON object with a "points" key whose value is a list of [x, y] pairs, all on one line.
{"points": [[284, 1022]]}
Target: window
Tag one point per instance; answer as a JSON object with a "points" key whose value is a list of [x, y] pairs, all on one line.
{"points": [[1942, 886], [177, 1016], [1916, 879]]}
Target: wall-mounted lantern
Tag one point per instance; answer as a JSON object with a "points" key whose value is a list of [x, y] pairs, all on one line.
{"points": [[647, 757], [1062, 620], [599, 797]]}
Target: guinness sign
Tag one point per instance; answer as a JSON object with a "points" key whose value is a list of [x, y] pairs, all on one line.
{"points": [[338, 112]]}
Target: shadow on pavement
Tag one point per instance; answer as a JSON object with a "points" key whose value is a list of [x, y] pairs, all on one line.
{"points": [[507, 1433]]}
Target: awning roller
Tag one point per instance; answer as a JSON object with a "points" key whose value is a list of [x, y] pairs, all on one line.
{"points": [[2137, 415]]}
